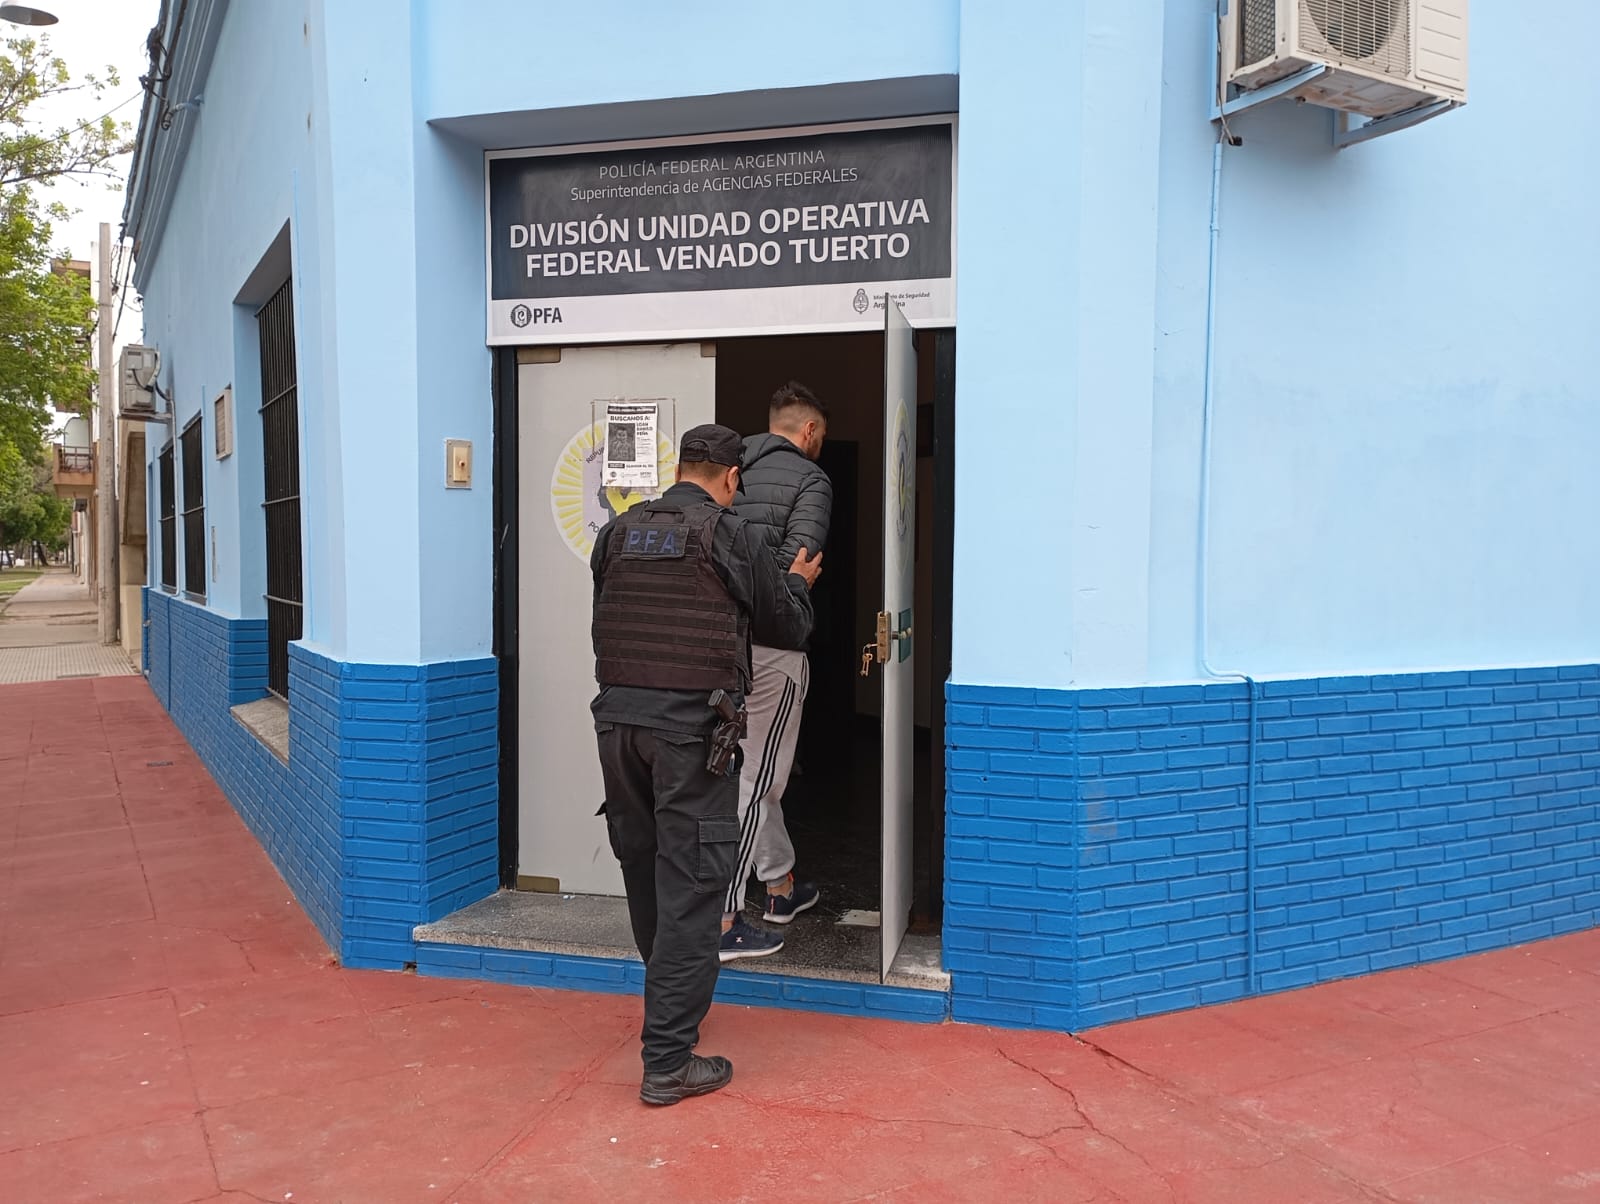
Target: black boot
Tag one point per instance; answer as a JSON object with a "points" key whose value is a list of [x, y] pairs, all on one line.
{"points": [[697, 1076]]}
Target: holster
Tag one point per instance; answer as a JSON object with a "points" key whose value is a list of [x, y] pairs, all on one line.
{"points": [[724, 755]]}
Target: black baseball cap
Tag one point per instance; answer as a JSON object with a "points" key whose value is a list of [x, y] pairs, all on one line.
{"points": [[713, 443]]}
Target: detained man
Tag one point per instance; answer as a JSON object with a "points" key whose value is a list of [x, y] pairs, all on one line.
{"points": [[788, 501]]}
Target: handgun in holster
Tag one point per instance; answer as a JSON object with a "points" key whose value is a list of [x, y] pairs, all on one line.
{"points": [[724, 755]]}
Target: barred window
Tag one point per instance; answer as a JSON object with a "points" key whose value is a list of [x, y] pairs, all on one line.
{"points": [[280, 465], [194, 512], [169, 524]]}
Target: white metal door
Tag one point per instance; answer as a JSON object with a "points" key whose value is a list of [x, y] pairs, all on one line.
{"points": [[895, 622], [562, 504]]}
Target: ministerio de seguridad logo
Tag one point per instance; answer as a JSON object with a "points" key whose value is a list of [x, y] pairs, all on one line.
{"points": [[902, 486], [581, 504]]}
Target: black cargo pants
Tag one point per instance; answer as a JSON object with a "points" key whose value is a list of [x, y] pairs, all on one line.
{"points": [[675, 829]]}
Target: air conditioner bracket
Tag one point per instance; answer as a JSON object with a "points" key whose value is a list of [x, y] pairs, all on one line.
{"points": [[1347, 132], [1240, 101], [162, 417]]}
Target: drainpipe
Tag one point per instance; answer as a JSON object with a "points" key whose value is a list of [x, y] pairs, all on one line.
{"points": [[1208, 408]]}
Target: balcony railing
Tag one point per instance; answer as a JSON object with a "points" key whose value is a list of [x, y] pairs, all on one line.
{"points": [[74, 459], [72, 473]]}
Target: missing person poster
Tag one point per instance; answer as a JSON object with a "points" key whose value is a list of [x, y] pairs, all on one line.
{"points": [[798, 233], [630, 461]]}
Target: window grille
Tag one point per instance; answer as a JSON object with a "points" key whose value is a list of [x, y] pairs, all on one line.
{"points": [[169, 524], [194, 512], [280, 461]]}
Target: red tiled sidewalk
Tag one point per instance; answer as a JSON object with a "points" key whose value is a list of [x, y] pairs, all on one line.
{"points": [[172, 1028]]}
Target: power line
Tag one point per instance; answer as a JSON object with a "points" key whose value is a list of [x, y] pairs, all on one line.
{"points": [[139, 182], [78, 129], [124, 288], [160, 76]]}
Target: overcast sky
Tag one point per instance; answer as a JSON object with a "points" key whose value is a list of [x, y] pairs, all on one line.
{"points": [[90, 35]]}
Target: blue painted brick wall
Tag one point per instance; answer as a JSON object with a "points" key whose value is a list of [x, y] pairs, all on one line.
{"points": [[157, 640], [386, 815], [418, 747], [144, 642], [1099, 842]]}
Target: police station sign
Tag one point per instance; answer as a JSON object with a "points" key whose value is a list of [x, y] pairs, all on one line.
{"points": [[738, 235]]}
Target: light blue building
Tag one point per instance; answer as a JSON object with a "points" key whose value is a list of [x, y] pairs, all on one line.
{"points": [[1236, 560]]}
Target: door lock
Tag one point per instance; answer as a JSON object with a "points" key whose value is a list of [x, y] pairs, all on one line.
{"points": [[887, 634]]}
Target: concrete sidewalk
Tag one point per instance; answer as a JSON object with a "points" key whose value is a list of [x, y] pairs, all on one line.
{"points": [[50, 631], [172, 1028]]}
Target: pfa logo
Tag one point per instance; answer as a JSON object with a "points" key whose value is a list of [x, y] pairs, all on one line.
{"points": [[521, 315]]}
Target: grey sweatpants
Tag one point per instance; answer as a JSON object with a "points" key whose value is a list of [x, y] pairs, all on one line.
{"points": [[773, 706]]}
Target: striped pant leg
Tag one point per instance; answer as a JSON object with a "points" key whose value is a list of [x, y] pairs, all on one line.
{"points": [[773, 707], [774, 851]]}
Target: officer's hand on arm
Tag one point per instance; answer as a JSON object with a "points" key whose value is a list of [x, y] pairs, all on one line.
{"points": [[809, 517], [779, 606], [808, 567]]}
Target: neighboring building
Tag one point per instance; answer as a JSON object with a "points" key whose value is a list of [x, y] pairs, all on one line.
{"points": [[75, 474], [72, 475], [72, 460], [1244, 544]]}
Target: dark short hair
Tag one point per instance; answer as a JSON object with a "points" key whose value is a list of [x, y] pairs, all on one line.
{"points": [[795, 396]]}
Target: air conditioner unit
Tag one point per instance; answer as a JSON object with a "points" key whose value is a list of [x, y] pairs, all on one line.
{"points": [[136, 378], [1380, 57]]}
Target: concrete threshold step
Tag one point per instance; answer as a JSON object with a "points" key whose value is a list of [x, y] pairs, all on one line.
{"points": [[597, 926]]}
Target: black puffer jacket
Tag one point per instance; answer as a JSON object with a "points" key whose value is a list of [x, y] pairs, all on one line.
{"points": [[784, 496]]}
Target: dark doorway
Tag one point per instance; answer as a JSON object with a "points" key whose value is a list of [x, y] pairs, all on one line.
{"points": [[832, 806], [829, 723]]}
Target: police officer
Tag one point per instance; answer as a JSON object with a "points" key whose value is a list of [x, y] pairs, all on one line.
{"points": [[680, 586]]}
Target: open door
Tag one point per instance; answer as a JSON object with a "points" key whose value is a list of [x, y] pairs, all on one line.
{"points": [[896, 622]]}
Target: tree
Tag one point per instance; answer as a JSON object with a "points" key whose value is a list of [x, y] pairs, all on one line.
{"points": [[29, 509], [46, 322], [46, 317], [29, 73]]}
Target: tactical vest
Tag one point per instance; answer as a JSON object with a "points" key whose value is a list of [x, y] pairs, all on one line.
{"points": [[664, 619]]}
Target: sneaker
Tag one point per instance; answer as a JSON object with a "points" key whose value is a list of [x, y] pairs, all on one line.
{"points": [[697, 1076], [744, 939], [781, 909]]}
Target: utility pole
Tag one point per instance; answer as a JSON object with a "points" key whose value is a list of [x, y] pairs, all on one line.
{"points": [[105, 489]]}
